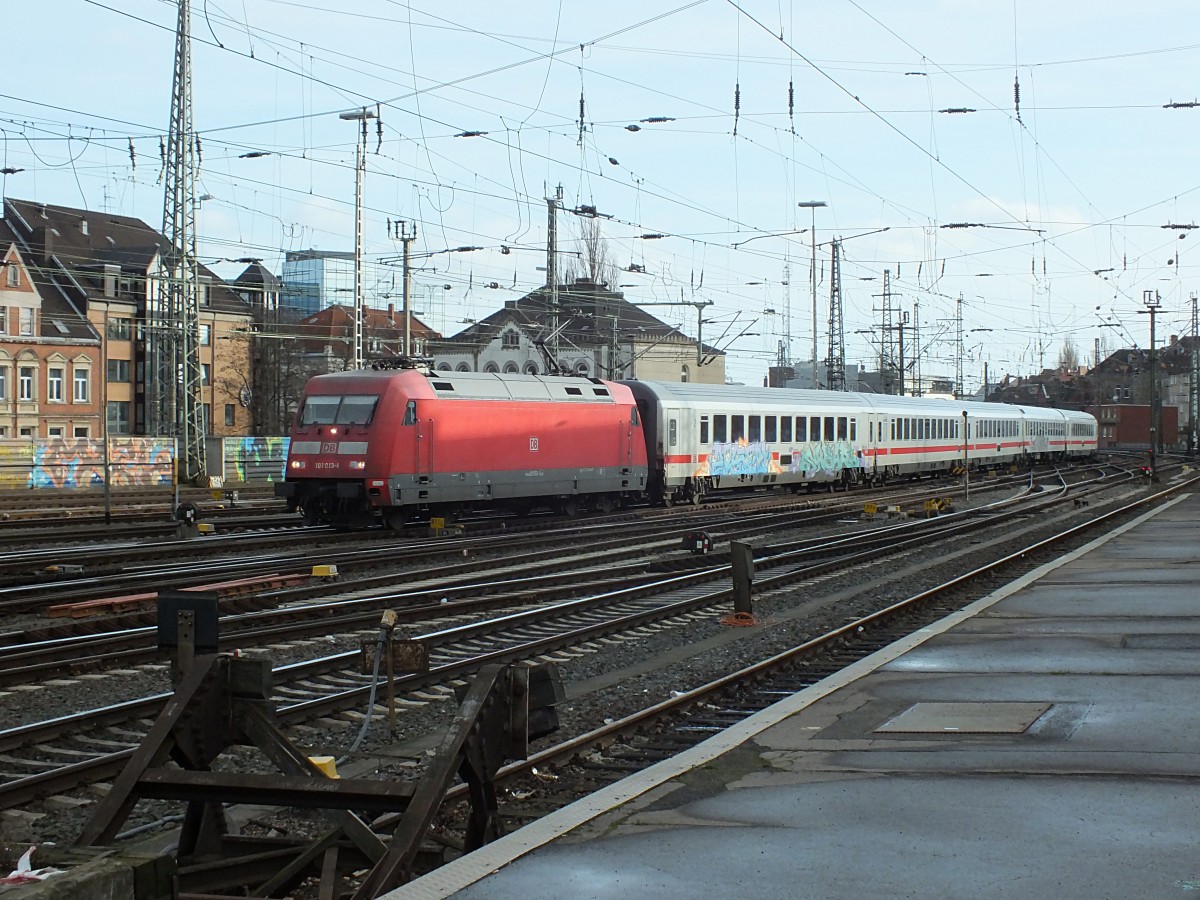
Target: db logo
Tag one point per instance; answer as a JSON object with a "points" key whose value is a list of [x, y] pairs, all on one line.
{"points": [[329, 447], [533, 444]]}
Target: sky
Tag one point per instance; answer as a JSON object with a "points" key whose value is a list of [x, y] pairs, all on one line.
{"points": [[1031, 163]]}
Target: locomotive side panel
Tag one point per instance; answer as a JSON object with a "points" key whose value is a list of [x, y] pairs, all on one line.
{"points": [[484, 450]]}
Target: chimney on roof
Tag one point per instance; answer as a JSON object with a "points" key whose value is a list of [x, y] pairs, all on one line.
{"points": [[391, 312], [510, 304], [1173, 339], [43, 240], [44, 216], [110, 279]]}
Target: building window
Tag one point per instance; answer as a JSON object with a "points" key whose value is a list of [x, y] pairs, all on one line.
{"points": [[3, 384], [491, 367], [510, 340], [81, 432], [55, 431], [118, 370], [229, 413], [3, 320], [205, 335], [510, 368], [118, 417], [14, 276], [462, 367], [26, 432], [119, 329], [205, 371], [81, 385], [54, 385], [26, 321], [685, 374], [25, 383]]}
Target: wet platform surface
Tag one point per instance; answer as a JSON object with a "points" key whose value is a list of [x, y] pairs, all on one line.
{"points": [[1044, 742]]}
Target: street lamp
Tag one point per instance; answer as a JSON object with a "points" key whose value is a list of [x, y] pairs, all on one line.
{"points": [[360, 170], [812, 278]]}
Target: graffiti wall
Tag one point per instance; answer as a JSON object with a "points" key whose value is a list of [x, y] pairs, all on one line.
{"points": [[254, 458], [133, 461], [57, 463]]}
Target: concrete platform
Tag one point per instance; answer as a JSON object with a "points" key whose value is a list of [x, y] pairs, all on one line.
{"points": [[1044, 742]]}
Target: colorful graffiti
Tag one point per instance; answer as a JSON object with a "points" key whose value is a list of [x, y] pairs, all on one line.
{"points": [[826, 457], [255, 458], [739, 458], [133, 461]]}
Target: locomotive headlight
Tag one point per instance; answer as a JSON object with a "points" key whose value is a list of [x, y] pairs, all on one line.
{"points": [[357, 464], [297, 464], [333, 430]]}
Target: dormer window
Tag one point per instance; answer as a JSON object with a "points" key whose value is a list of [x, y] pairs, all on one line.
{"points": [[13, 277], [510, 340]]}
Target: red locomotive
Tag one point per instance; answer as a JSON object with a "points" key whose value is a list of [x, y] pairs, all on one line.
{"points": [[399, 442]]}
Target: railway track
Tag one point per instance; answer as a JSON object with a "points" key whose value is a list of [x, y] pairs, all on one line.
{"points": [[76, 646], [36, 578], [95, 744]]}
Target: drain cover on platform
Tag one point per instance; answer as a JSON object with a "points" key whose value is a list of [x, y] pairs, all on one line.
{"points": [[969, 718]]}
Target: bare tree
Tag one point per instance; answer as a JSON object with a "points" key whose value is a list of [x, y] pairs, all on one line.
{"points": [[1068, 356], [593, 261]]}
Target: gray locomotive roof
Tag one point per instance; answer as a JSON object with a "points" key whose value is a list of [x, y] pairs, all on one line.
{"points": [[491, 385]]}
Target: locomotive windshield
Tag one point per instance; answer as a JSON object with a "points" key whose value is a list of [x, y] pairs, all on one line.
{"points": [[335, 409]]}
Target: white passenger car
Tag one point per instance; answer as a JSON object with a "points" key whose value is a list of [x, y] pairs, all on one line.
{"points": [[702, 438]]}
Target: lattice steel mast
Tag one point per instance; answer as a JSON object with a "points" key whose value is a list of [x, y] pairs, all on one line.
{"points": [[174, 377], [835, 371]]}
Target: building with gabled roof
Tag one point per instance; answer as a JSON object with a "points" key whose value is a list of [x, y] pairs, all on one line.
{"points": [[326, 338], [109, 268], [49, 353], [599, 333]]}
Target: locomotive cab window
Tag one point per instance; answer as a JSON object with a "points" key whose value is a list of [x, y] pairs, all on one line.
{"points": [[720, 435], [319, 410], [410, 413], [338, 410], [356, 409], [633, 416]]}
